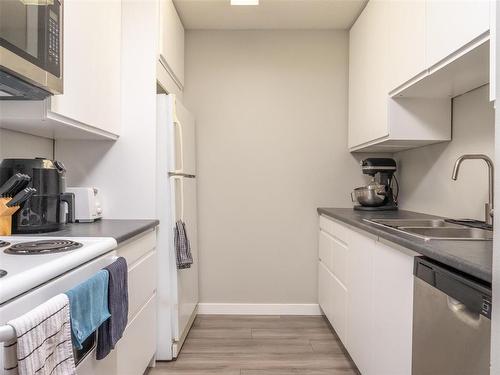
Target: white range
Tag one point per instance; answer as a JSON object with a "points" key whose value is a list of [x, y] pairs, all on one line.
{"points": [[35, 269]]}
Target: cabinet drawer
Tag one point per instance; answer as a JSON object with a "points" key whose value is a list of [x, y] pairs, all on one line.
{"points": [[333, 254], [137, 247], [137, 347], [332, 297], [141, 283], [336, 230]]}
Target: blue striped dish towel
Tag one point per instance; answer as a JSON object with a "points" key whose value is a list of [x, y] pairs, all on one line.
{"points": [[88, 304], [182, 246], [42, 345]]}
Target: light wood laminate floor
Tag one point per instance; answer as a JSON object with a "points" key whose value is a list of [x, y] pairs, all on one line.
{"points": [[259, 345]]}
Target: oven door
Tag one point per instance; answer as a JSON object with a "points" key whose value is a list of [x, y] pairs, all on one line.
{"points": [[31, 41]]}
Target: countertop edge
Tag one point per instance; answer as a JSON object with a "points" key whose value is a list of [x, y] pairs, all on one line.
{"points": [[127, 236]]}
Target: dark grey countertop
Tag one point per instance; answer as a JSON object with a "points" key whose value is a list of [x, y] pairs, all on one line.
{"points": [[120, 230], [471, 257]]}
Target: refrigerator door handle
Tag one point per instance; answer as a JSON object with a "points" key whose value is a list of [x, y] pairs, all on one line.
{"points": [[181, 142], [181, 194]]}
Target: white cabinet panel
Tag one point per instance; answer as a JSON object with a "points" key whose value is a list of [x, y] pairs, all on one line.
{"points": [[136, 349], [333, 300], [325, 250], [392, 310], [360, 309], [333, 254], [452, 24], [171, 44], [141, 282], [334, 229], [92, 60], [406, 41], [368, 86], [325, 298], [139, 246]]}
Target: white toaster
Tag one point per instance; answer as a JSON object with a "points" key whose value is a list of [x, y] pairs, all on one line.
{"points": [[87, 205]]}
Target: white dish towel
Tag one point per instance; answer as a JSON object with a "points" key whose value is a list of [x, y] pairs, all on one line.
{"points": [[43, 345]]}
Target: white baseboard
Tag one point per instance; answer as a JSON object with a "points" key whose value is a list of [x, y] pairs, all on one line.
{"points": [[259, 309]]}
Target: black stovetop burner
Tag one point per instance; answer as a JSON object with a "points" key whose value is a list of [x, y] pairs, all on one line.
{"points": [[43, 247], [4, 243]]}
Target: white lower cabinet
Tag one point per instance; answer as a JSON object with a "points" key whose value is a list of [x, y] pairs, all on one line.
{"points": [[392, 310], [137, 347], [359, 310], [333, 299], [372, 311]]}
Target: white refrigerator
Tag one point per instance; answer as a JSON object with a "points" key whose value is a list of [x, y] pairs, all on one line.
{"points": [[176, 199]]}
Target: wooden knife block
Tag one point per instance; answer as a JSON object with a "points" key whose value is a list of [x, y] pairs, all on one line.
{"points": [[6, 217]]}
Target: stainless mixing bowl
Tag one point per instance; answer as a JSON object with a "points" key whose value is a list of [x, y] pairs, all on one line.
{"points": [[369, 196]]}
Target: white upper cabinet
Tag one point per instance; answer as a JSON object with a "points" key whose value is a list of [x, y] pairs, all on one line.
{"points": [[376, 121], [406, 41], [171, 48], [407, 59], [91, 104], [451, 25], [368, 86], [92, 59]]}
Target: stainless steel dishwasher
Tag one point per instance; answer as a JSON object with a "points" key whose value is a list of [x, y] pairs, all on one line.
{"points": [[451, 322]]}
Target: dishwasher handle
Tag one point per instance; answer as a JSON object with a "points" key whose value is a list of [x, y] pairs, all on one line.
{"points": [[461, 311]]}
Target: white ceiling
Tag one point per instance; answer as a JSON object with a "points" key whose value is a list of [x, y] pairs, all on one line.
{"points": [[270, 14]]}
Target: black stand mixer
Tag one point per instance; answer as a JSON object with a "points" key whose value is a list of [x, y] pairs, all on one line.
{"points": [[377, 195]]}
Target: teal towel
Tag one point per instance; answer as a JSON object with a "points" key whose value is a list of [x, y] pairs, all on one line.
{"points": [[88, 304]]}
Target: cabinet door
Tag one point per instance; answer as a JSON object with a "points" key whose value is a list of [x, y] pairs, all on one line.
{"points": [[138, 344], [406, 41], [172, 42], [324, 293], [333, 254], [452, 24], [392, 313], [332, 296], [92, 58], [368, 86], [359, 311]]}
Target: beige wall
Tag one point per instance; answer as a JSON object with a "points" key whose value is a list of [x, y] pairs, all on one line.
{"points": [[425, 173], [21, 145], [271, 114]]}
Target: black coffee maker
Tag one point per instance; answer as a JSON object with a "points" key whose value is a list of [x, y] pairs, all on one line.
{"points": [[50, 207]]}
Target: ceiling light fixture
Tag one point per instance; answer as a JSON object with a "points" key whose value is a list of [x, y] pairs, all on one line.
{"points": [[244, 2]]}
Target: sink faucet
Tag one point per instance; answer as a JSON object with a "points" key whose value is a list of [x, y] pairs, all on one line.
{"points": [[488, 212]]}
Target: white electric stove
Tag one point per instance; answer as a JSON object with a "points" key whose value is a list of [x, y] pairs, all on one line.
{"points": [[35, 269], [27, 262]]}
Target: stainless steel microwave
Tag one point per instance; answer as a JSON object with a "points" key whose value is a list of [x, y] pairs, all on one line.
{"points": [[31, 49]]}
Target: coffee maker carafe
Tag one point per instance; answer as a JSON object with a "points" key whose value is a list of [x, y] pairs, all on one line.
{"points": [[46, 210]]}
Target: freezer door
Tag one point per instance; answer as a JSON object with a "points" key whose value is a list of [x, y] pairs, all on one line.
{"points": [[187, 279], [183, 138]]}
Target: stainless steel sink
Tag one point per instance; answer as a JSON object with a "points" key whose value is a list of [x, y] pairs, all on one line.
{"points": [[427, 223], [434, 229], [458, 233]]}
